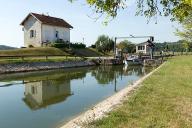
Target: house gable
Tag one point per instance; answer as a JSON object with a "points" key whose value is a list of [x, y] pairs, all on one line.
{"points": [[32, 32]]}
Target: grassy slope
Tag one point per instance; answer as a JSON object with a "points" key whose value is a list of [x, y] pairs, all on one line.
{"points": [[164, 100], [87, 52], [35, 52], [32, 51]]}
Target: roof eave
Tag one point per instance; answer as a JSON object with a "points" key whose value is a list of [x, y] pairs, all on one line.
{"points": [[30, 14]]}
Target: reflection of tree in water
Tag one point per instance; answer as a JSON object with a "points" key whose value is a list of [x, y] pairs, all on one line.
{"points": [[106, 74], [133, 70]]}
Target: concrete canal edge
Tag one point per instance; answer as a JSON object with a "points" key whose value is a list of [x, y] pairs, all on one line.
{"points": [[36, 66], [101, 109]]}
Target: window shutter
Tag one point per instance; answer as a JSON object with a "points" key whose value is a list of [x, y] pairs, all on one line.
{"points": [[34, 33]]}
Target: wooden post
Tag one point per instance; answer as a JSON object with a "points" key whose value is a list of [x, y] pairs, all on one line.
{"points": [[22, 58], [114, 50]]}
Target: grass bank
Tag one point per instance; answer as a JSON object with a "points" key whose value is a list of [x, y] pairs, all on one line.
{"points": [[164, 100], [32, 51], [46, 55]]}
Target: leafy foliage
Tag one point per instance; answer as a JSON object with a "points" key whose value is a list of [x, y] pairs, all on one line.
{"points": [[104, 43], [186, 32], [64, 44], [179, 46], [127, 46], [178, 9], [60, 44]]}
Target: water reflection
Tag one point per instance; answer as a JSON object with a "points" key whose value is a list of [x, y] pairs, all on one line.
{"points": [[44, 93], [106, 74], [51, 87]]}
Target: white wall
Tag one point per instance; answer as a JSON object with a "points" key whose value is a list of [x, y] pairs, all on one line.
{"points": [[37, 95], [145, 51], [32, 24], [49, 32]]}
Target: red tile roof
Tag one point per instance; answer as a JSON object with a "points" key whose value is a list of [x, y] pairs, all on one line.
{"points": [[49, 20]]}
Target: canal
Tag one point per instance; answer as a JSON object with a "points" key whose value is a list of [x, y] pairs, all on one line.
{"points": [[47, 99]]}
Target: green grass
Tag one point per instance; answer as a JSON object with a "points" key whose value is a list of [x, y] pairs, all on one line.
{"points": [[87, 52], [39, 59], [32, 51], [164, 100], [39, 54]]}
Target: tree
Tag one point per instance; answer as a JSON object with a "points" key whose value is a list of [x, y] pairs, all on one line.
{"points": [[127, 46], [178, 9], [104, 43], [186, 46], [186, 32]]}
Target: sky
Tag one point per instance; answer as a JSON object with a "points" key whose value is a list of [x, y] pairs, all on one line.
{"points": [[79, 14]]}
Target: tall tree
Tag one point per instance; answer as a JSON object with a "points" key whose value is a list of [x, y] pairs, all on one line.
{"points": [[127, 46], [104, 43]]}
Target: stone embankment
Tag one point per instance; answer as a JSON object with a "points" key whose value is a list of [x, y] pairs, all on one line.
{"points": [[35, 66]]}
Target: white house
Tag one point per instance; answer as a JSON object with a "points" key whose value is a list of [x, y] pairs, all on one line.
{"points": [[143, 48], [41, 29]]}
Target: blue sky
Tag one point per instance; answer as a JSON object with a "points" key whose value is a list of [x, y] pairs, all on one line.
{"points": [[12, 12]]}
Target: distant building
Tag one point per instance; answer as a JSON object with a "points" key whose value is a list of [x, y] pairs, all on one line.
{"points": [[40, 29], [143, 48]]}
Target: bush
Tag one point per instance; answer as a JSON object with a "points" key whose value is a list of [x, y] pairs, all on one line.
{"points": [[65, 44], [77, 45], [31, 46], [60, 44], [93, 46]]}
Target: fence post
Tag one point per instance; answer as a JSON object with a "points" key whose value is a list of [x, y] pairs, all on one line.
{"points": [[46, 57], [22, 58]]}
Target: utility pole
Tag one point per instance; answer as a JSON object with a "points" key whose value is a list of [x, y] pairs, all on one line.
{"points": [[114, 49], [83, 40]]}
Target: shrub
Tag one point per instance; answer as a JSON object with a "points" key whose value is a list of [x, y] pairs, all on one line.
{"points": [[77, 45], [31, 46], [60, 44], [93, 46], [65, 44]]}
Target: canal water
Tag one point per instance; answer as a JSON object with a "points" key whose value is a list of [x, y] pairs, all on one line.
{"points": [[47, 99]]}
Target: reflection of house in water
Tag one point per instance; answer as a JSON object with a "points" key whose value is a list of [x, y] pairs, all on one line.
{"points": [[43, 93], [44, 89]]}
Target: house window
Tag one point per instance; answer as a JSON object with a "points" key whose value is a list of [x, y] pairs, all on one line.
{"points": [[32, 33], [34, 90], [141, 47], [57, 34]]}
